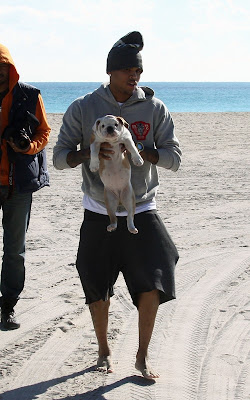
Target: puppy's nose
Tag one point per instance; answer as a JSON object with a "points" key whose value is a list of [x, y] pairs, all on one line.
{"points": [[110, 129]]}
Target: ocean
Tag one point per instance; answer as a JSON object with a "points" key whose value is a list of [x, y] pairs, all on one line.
{"points": [[178, 96]]}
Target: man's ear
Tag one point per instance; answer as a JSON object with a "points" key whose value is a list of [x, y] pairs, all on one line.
{"points": [[123, 122]]}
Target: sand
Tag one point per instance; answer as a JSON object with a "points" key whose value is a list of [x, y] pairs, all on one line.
{"points": [[200, 343]]}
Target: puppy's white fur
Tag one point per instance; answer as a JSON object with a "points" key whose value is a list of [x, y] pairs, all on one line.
{"points": [[116, 172]]}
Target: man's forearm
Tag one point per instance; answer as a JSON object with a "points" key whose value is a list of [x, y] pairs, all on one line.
{"points": [[75, 158]]}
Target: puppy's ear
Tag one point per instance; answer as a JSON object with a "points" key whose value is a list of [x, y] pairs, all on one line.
{"points": [[96, 124], [123, 122]]}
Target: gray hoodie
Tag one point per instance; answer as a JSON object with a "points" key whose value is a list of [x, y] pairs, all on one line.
{"points": [[150, 123]]}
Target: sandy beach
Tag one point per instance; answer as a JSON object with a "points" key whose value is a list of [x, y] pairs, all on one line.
{"points": [[200, 344]]}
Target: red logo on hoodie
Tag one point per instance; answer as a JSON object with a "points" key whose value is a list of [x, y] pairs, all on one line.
{"points": [[140, 129]]}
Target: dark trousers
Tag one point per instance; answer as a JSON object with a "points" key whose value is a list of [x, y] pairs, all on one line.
{"points": [[15, 222]]}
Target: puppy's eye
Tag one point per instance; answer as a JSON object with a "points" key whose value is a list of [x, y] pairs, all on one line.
{"points": [[116, 124], [103, 125]]}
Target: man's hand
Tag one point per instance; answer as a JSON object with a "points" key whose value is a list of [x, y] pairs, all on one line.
{"points": [[17, 149], [150, 155], [105, 151]]}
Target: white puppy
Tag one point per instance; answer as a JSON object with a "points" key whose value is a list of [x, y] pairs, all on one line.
{"points": [[116, 172]]}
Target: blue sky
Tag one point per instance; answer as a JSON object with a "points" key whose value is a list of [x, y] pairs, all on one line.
{"points": [[185, 40]]}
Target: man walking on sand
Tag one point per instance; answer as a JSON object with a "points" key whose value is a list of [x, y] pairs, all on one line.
{"points": [[147, 259], [24, 133]]}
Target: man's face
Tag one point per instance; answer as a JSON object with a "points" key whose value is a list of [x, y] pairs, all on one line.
{"points": [[123, 82], [4, 76]]}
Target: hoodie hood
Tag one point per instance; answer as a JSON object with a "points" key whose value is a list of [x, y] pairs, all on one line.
{"points": [[5, 57], [142, 93]]}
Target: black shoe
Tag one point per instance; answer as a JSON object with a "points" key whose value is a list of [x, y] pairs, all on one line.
{"points": [[8, 320]]}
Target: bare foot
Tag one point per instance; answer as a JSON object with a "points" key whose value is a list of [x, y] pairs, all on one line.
{"points": [[146, 370], [104, 364]]}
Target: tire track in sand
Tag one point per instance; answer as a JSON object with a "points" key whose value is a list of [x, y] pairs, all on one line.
{"points": [[42, 369], [53, 370], [185, 335], [126, 346], [186, 358], [189, 353]]}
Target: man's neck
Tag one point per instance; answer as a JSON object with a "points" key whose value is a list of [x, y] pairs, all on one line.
{"points": [[4, 88], [120, 97], [2, 95]]}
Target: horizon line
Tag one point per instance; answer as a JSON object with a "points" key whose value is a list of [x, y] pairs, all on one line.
{"points": [[142, 81]]}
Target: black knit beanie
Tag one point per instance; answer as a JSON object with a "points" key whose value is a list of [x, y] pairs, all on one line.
{"points": [[126, 52]]}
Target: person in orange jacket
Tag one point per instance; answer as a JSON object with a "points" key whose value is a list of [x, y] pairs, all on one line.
{"points": [[24, 133]]}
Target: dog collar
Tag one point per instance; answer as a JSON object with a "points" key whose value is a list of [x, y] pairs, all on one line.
{"points": [[140, 146]]}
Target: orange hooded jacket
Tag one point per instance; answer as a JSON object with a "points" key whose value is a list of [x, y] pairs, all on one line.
{"points": [[39, 139]]}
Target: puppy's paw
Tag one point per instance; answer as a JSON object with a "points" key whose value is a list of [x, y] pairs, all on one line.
{"points": [[111, 227], [94, 166], [138, 160], [131, 226], [133, 230]]}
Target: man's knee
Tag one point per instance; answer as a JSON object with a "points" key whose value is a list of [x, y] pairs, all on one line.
{"points": [[152, 296], [99, 305]]}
